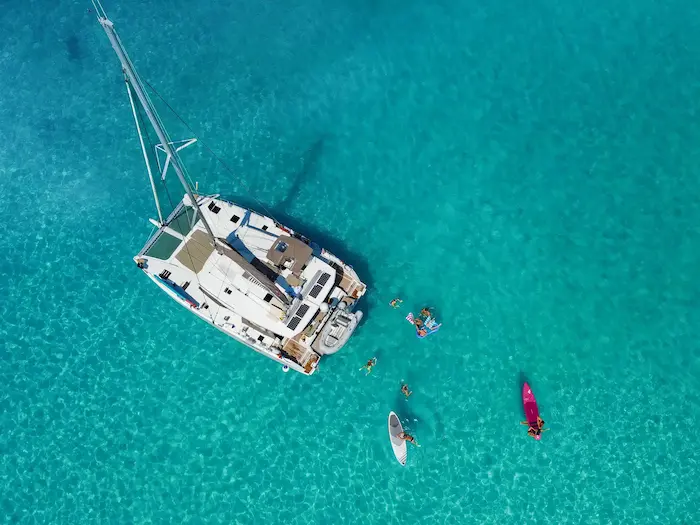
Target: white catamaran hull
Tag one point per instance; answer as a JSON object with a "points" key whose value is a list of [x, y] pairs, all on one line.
{"points": [[228, 332], [244, 273], [191, 274]]}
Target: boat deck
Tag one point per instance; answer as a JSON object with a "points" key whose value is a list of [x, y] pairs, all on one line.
{"points": [[295, 349], [352, 286], [196, 251], [304, 355]]}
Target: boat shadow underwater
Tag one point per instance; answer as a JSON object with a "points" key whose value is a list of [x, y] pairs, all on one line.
{"points": [[299, 179], [409, 419]]}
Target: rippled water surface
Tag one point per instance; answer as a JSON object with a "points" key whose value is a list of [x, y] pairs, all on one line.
{"points": [[529, 169]]}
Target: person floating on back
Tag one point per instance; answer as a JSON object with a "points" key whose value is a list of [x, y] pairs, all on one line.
{"points": [[369, 364], [395, 303], [535, 429], [407, 437], [405, 391]]}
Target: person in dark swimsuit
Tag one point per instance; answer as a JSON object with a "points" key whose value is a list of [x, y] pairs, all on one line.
{"points": [[535, 428]]}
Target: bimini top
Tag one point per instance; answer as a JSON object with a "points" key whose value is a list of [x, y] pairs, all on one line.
{"points": [[291, 253]]}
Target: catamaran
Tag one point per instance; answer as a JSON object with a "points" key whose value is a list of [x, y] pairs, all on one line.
{"points": [[256, 280]]}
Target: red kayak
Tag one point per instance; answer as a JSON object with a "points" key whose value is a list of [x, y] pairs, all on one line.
{"points": [[530, 407]]}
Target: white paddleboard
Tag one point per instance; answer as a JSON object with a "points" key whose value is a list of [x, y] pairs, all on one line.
{"points": [[399, 445]]}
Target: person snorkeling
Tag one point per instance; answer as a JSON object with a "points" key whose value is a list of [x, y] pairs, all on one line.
{"points": [[368, 365], [405, 391], [395, 303]]}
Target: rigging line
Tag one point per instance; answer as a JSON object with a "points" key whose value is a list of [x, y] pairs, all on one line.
{"points": [[223, 281], [143, 149], [177, 218], [211, 151]]}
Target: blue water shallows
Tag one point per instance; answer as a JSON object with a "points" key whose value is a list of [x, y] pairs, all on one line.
{"points": [[530, 170]]}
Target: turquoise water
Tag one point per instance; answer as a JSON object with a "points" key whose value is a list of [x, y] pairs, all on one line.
{"points": [[530, 169]]}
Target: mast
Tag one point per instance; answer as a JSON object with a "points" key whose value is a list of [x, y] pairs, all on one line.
{"points": [[135, 82], [145, 156]]}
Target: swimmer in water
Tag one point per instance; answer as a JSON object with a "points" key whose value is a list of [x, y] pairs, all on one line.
{"points": [[405, 391], [395, 303], [369, 364]]}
